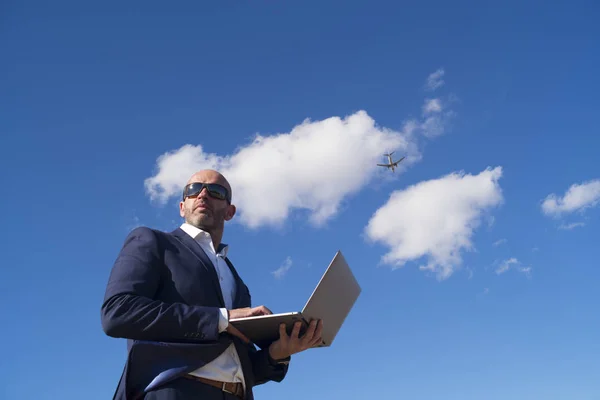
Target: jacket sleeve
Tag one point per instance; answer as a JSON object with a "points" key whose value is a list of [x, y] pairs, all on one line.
{"points": [[265, 370], [129, 310]]}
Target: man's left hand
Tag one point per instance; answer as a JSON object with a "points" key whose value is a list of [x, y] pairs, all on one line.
{"points": [[286, 345]]}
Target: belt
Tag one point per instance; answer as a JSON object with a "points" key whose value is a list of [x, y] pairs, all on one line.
{"points": [[234, 388]]}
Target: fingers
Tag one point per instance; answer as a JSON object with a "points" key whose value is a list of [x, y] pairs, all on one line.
{"points": [[313, 335], [283, 336], [319, 330], [248, 312], [264, 310], [282, 331], [260, 310], [308, 335], [316, 342], [240, 313], [296, 330], [292, 344]]}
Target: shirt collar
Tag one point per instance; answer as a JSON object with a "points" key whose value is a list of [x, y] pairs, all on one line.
{"points": [[202, 236]]}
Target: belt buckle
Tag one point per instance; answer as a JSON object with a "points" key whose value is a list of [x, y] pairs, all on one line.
{"points": [[225, 390]]}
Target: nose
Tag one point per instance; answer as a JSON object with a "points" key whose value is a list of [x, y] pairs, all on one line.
{"points": [[203, 193]]}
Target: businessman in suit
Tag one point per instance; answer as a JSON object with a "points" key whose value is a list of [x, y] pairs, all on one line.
{"points": [[171, 295]]}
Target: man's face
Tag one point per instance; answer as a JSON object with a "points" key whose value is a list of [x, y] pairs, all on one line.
{"points": [[206, 212]]}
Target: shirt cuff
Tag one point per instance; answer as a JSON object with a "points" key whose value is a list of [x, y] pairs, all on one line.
{"points": [[223, 319]]}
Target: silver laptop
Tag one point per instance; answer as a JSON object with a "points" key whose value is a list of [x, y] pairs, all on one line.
{"points": [[331, 301]]}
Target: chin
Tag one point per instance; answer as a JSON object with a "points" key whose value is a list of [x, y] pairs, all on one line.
{"points": [[204, 224], [197, 222]]}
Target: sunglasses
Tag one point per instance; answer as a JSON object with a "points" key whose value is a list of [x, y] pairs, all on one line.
{"points": [[214, 190]]}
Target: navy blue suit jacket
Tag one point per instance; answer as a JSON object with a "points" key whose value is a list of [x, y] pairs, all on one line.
{"points": [[163, 296]]}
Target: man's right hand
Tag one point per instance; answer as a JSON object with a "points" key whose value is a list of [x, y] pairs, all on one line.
{"points": [[244, 313]]}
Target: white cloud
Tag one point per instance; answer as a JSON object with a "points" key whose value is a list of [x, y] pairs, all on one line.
{"points": [[435, 118], [571, 226], [313, 168], [435, 80], [470, 273], [435, 219], [577, 198], [505, 265], [432, 106], [525, 270], [499, 242], [283, 269], [513, 263]]}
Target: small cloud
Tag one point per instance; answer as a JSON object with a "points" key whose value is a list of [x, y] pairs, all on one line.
{"points": [[283, 269], [486, 290], [434, 80], [505, 265], [525, 270], [435, 115], [578, 197], [569, 227], [513, 263], [499, 242], [435, 119], [435, 219], [470, 273], [432, 106], [535, 249]]}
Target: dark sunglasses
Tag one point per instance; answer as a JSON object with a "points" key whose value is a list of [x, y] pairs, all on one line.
{"points": [[214, 190]]}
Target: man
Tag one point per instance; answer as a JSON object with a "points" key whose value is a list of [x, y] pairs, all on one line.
{"points": [[172, 295]]}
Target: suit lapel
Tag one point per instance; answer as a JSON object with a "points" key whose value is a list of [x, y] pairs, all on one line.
{"points": [[195, 248]]}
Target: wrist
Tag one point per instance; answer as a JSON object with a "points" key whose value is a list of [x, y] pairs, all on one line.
{"points": [[275, 358]]}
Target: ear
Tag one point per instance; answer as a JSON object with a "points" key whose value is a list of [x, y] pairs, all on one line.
{"points": [[230, 212], [181, 209]]}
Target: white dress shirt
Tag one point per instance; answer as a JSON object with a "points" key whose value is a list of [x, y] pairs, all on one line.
{"points": [[226, 367]]}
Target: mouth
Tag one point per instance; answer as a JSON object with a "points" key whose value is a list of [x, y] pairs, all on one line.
{"points": [[201, 207]]}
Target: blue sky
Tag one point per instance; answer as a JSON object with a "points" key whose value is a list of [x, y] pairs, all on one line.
{"points": [[476, 258]]}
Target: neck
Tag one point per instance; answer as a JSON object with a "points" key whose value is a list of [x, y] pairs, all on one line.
{"points": [[216, 237], [216, 234]]}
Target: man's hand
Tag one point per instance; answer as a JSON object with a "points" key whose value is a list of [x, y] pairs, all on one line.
{"points": [[286, 345], [248, 312], [243, 313]]}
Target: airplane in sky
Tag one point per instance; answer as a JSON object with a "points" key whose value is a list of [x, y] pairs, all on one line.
{"points": [[391, 164]]}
